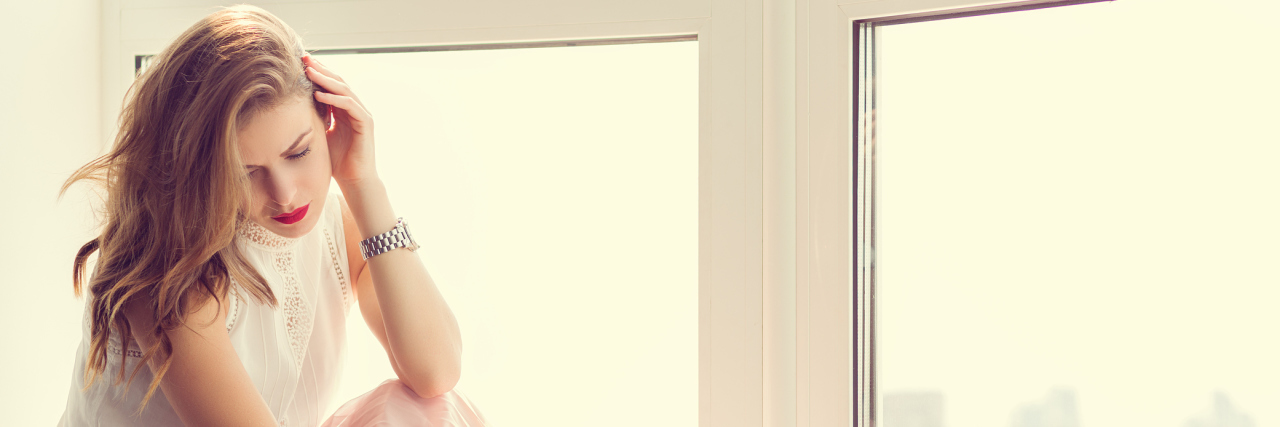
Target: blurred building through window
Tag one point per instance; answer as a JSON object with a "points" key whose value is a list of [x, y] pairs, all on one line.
{"points": [[913, 409]]}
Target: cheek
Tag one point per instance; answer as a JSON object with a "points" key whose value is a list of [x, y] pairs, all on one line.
{"points": [[323, 165], [323, 156], [318, 172], [257, 198]]}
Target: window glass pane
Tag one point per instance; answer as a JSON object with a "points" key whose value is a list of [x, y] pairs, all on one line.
{"points": [[554, 191], [1077, 217]]}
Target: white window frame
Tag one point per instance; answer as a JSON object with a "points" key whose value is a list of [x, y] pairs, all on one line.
{"points": [[865, 16], [775, 176]]}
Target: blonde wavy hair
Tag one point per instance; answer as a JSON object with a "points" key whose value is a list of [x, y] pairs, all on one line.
{"points": [[175, 188]]}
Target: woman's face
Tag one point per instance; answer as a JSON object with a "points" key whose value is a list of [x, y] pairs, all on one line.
{"points": [[286, 157]]}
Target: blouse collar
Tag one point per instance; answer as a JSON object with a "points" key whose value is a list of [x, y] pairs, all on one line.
{"points": [[262, 238]]}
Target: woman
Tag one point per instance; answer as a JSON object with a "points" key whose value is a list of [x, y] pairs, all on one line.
{"points": [[226, 265]]}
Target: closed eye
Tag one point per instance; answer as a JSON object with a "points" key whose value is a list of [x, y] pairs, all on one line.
{"points": [[292, 157], [299, 155]]}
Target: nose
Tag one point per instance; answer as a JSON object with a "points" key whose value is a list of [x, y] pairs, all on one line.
{"points": [[281, 188]]}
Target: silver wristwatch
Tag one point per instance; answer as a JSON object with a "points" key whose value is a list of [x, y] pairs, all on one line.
{"points": [[398, 237]]}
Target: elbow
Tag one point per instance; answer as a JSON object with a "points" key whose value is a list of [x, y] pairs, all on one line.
{"points": [[434, 384], [433, 375], [432, 388]]}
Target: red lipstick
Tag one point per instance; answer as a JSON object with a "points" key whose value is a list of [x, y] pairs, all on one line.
{"points": [[292, 217]]}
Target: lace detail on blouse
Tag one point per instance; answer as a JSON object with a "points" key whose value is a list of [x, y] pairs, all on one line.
{"points": [[113, 348], [283, 251], [337, 268], [297, 322], [233, 312], [263, 238]]}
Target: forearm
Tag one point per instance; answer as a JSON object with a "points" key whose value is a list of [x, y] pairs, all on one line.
{"points": [[421, 329]]}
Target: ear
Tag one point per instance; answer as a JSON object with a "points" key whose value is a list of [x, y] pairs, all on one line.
{"points": [[325, 111]]}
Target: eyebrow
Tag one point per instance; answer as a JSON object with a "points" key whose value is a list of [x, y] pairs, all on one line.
{"points": [[291, 147]]}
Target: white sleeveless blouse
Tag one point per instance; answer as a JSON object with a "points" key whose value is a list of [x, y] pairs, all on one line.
{"points": [[294, 353]]}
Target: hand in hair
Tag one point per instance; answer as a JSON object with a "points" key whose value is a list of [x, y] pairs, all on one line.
{"points": [[351, 136]]}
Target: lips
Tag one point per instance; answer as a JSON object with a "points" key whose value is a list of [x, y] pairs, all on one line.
{"points": [[292, 217]]}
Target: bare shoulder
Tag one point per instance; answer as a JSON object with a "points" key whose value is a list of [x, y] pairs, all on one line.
{"points": [[206, 383], [200, 319]]}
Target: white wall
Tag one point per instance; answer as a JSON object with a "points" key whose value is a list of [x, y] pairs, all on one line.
{"points": [[49, 125]]}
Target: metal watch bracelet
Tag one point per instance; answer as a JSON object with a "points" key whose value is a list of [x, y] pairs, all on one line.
{"points": [[398, 237]]}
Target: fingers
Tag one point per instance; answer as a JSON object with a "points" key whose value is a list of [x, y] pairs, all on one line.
{"points": [[328, 82], [311, 61], [347, 103], [341, 95]]}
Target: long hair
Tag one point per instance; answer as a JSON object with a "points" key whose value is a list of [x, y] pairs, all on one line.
{"points": [[176, 190]]}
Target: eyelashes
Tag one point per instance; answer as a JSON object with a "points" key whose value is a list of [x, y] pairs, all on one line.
{"points": [[300, 155], [293, 157]]}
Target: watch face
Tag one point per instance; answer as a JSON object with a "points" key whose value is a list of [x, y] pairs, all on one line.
{"points": [[411, 244]]}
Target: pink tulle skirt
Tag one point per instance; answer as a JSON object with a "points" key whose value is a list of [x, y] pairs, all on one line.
{"points": [[394, 404]]}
